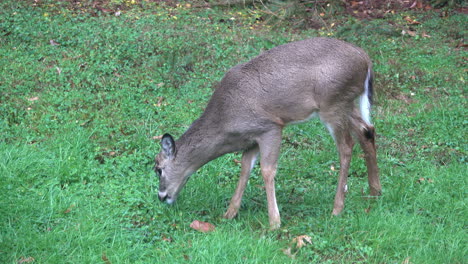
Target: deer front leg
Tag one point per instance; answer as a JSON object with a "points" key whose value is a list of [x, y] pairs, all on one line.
{"points": [[248, 162], [269, 151]]}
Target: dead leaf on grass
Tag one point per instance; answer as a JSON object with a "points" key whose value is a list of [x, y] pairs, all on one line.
{"points": [[406, 261], [53, 43], [160, 100], [411, 21], [167, 239], [104, 258], [69, 209], [424, 35], [25, 260], [202, 226], [422, 179], [301, 241], [157, 137], [296, 244], [409, 32], [32, 99]]}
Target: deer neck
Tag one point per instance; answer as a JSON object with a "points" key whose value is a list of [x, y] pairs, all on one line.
{"points": [[201, 143]]}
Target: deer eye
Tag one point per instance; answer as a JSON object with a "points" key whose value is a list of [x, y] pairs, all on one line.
{"points": [[158, 170]]}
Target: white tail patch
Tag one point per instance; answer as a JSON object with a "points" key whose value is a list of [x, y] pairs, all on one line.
{"points": [[364, 103]]}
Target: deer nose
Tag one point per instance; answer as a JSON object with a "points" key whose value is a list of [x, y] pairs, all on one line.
{"points": [[162, 196]]}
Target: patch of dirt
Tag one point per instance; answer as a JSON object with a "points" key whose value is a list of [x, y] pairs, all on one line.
{"points": [[378, 8]]}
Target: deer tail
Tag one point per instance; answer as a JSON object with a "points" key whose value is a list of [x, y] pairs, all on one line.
{"points": [[365, 100]]}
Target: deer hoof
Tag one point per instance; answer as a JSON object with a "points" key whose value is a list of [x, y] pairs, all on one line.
{"points": [[230, 214]]}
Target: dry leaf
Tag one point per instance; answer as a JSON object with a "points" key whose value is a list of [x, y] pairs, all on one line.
{"points": [[407, 260], [424, 35], [160, 100], [104, 258], [69, 209], [412, 33], [202, 226], [25, 260], [53, 43], [301, 241], [409, 32], [355, 3], [167, 239], [411, 21], [157, 137], [368, 209], [32, 99]]}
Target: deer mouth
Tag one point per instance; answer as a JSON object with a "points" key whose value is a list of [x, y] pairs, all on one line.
{"points": [[164, 197]]}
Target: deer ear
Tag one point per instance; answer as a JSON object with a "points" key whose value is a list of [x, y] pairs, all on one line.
{"points": [[168, 146]]}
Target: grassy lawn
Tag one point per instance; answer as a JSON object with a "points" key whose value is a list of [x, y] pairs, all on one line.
{"points": [[84, 95]]}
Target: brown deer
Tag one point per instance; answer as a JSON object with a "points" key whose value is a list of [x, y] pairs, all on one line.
{"points": [[253, 103]]}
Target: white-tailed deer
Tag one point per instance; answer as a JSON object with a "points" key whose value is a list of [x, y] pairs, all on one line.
{"points": [[253, 103]]}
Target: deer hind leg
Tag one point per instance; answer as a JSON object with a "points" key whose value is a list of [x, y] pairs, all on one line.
{"points": [[344, 142], [248, 162], [366, 135]]}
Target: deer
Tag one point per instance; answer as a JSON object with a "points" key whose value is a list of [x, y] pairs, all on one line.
{"points": [[291, 83]]}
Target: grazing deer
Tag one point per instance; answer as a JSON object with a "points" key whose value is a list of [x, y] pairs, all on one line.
{"points": [[253, 103]]}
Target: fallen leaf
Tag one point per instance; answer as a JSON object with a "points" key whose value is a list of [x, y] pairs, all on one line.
{"points": [[406, 261], [157, 137], [368, 209], [409, 32], [53, 43], [424, 35], [160, 100], [202, 226], [25, 260], [32, 99], [411, 21], [301, 241], [355, 3], [104, 258], [167, 239], [69, 209]]}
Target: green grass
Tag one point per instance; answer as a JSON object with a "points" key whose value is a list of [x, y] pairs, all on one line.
{"points": [[77, 122]]}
